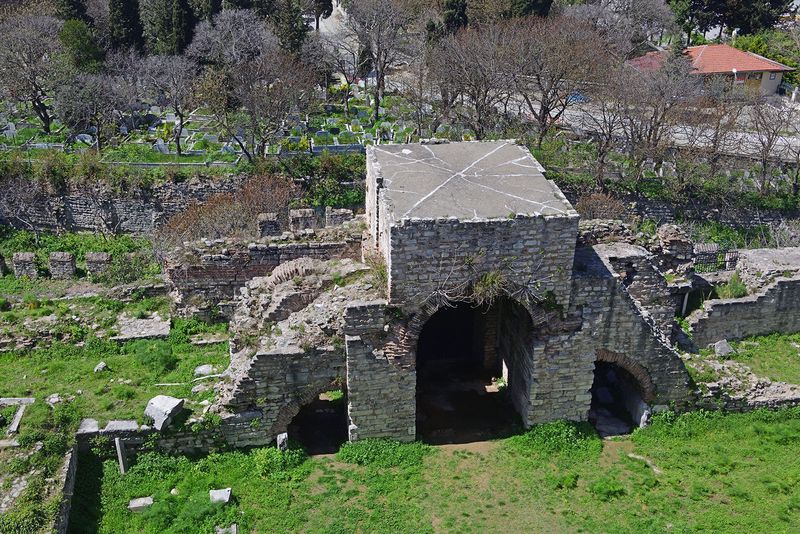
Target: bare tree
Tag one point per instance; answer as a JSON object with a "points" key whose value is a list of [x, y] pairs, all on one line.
{"points": [[651, 99], [87, 101], [126, 74], [474, 65], [343, 53], [604, 121], [251, 101], [232, 37], [28, 48], [381, 27], [770, 120], [628, 24], [552, 61], [171, 80]]}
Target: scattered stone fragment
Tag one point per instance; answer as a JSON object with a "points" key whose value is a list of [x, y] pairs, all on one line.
{"points": [[283, 441], [100, 367], [142, 503], [55, 398], [173, 491], [233, 529], [204, 370], [88, 426], [199, 388], [132, 328], [161, 409], [220, 495], [722, 348]]}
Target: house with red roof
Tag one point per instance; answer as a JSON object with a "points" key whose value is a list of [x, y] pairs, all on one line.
{"points": [[744, 68]]}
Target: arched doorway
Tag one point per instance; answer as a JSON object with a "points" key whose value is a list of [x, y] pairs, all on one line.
{"points": [[619, 399], [473, 372], [320, 426]]}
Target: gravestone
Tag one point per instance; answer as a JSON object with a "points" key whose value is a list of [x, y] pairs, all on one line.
{"points": [[160, 147]]}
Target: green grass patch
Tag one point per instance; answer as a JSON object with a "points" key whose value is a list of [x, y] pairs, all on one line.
{"points": [[716, 473], [776, 356]]}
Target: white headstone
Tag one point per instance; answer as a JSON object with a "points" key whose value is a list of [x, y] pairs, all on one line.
{"points": [[220, 495]]}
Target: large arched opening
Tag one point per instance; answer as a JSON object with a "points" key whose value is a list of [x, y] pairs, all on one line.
{"points": [[473, 367], [621, 393]]}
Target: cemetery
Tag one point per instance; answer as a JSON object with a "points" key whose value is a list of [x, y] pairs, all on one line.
{"points": [[389, 266]]}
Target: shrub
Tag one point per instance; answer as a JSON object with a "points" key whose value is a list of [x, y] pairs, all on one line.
{"points": [[733, 289], [383, 453], [599, 206], [155, 355], [271, 462], [566, 438], [607, 488]]}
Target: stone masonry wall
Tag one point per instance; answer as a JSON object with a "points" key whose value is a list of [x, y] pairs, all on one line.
{"points": [[533, 252], [775, 309], [381, 389], [138, 211], [207, 278], [611, 324]]}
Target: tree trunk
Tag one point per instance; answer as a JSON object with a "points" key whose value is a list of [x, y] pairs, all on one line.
{"points": [[378, 93], [41, 111], [178, 131]]}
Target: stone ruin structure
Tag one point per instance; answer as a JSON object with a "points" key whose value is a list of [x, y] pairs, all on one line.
{"points": [[466, 276]]}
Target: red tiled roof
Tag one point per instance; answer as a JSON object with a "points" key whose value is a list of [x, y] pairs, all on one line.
{"points": [[715, 59]]}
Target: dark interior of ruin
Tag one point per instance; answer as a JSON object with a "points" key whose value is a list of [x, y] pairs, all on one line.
{"points": [[460, 394], [617, 404], [321, 425]]}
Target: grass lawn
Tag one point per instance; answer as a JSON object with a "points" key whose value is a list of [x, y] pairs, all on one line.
{"points": [[776, 356], [707, 473], [120, 393]]}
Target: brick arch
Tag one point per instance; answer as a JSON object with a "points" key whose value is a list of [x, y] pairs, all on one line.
{"points": [[289, 411], [643, 380], [403, 337]]}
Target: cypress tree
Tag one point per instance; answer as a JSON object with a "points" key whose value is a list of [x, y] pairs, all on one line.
{"points": [[126, 26], [183, 22], [454, 15], [72, 10], [290, 28]]}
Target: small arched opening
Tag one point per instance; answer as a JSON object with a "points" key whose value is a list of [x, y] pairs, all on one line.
{"points": [[621, 393], [473, 371], [320, 425]]}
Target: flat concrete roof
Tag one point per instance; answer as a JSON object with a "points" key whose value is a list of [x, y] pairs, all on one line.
{"points": [[467, 180]]}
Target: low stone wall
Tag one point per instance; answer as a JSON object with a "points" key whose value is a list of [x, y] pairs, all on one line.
{"points": [[137, 211], [66, 478], [205, 277], [774, 309]]}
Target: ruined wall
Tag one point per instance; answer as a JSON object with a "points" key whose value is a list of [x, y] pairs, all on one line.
{"points": [[204, 277], [281, 381], [534, 252], [381, 389], [514, 338], [136, 211], [774, 309], [611, 328]]}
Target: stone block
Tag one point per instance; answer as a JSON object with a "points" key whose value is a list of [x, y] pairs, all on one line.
{"points": [[336, 217], [162, 409], [722, 348], [268, 224], [25, 265], [283, 441], [302, 219], [220, 495], [204, 370], [62, 265], [142, 503], [97, 263], [121, 426]]}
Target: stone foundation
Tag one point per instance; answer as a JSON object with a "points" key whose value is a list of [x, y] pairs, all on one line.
{"points": [[97, 263], [268, 224], [302, 219], [25, 265], [62, 265], [336, 217]]}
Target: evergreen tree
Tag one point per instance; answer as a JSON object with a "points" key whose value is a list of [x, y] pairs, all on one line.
{"points": [[125, 25], [72, 10], [524, 8], [80, 46], [289, 26], [454, 15], [183, 22]]}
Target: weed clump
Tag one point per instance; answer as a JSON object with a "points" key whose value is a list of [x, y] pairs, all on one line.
{"points": [[375, 452], [568, 439], [271, 462]]}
